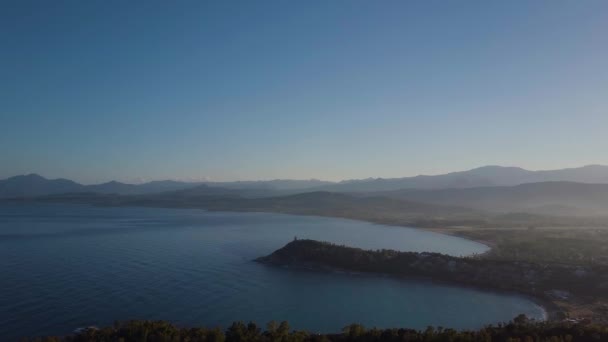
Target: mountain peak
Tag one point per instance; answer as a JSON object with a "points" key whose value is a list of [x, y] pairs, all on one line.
{"points": [[31, 176], [595, 166], [497, 168]]}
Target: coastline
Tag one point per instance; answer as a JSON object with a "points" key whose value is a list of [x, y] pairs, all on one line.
{"points": [[548, 306], [549, 309], [455, 232]]}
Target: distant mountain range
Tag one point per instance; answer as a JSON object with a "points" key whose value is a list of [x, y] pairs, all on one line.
{"points": [[35, 185], [570, 197], [479, 177], [275, 184]]}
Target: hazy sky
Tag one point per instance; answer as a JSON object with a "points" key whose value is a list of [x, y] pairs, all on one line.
{"points": [[100, 90]]}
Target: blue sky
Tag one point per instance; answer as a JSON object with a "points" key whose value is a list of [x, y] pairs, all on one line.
{"points": [[129, 90]]}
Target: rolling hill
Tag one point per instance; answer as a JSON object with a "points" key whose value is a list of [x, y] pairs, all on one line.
{"points": [[35, 185], [546, 198], [480, 177]]}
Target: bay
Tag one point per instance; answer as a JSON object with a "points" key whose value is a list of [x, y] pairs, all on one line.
{"points": [[68, 266]]}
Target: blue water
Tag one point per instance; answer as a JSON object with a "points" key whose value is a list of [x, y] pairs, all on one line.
{"points": [[68, 266]]}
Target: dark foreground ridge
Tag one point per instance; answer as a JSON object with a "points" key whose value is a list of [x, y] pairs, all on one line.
{"points": [[549, 283], [520, 330]]}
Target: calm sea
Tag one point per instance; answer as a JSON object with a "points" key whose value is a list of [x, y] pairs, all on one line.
{"points": [[69, 266]]}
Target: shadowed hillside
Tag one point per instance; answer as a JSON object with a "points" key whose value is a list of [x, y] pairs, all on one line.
{"points": [[479, 177], [487, 176], [548, 198]]}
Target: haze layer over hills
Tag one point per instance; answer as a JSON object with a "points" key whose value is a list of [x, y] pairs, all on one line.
{"points": [[473, 195], [479, 177], [35, 185]]}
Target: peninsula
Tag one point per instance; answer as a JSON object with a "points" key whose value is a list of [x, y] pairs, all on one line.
{"points": [[553, 285]]}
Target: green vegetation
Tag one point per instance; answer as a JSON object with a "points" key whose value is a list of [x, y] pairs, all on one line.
{"points": [[577, 246], [520, 330]]}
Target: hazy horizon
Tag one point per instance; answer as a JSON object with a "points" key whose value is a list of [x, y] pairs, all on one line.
{"points": [[195, 180], [193, 170], [98, 91]]}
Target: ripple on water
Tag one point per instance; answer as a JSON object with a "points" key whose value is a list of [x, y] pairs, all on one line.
{"points": [[75, 266]]}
